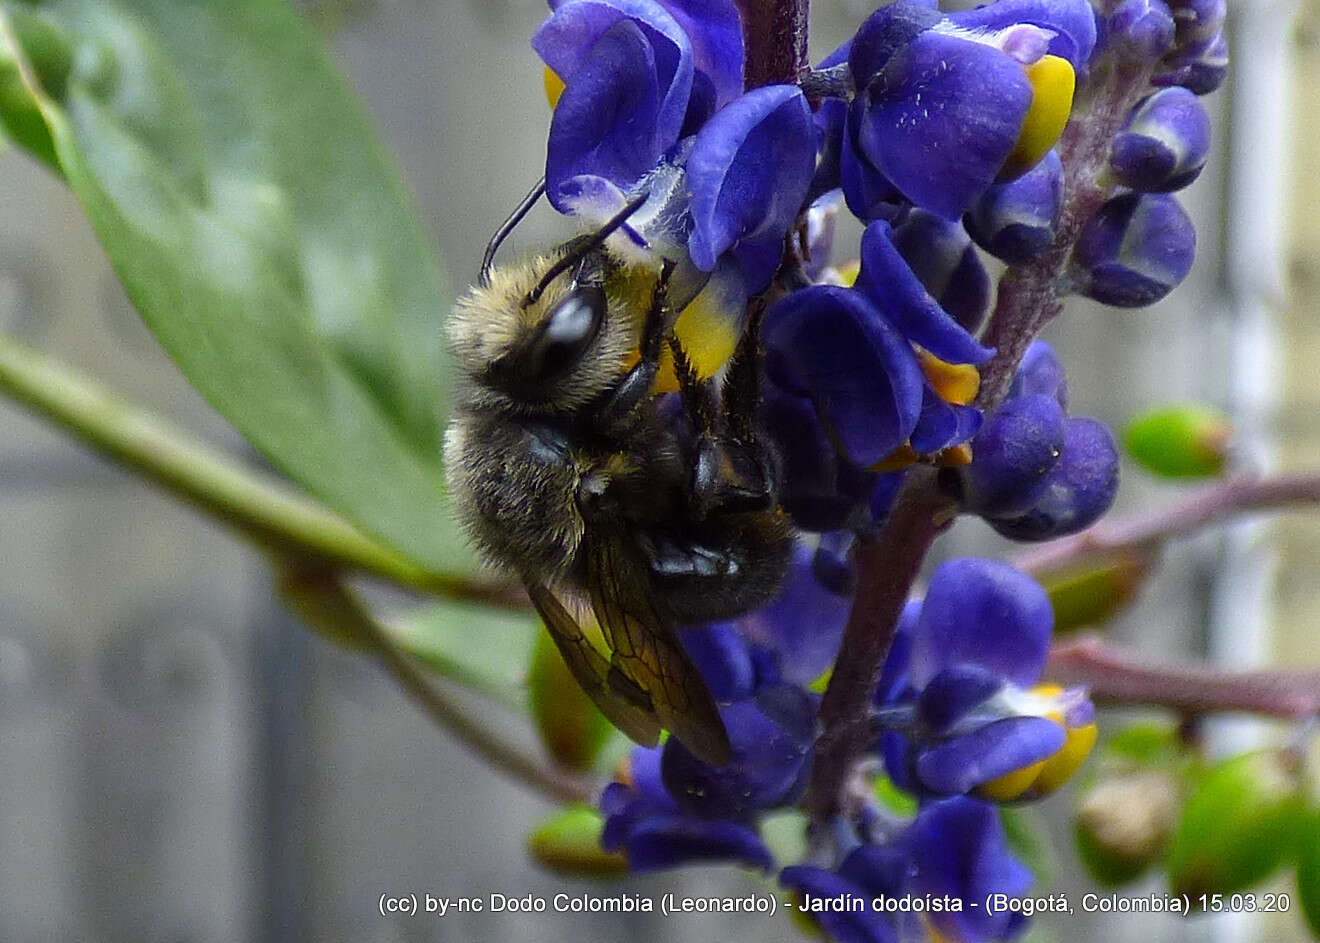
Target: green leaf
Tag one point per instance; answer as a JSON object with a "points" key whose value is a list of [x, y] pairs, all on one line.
{"points": [[247, 207], [569, 843], [1180, 441], [485, 648], [1239, 824], [1308, 871], [1029, 839]]}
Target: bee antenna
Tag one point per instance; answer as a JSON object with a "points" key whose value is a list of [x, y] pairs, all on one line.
{"points": [[519, 213], [590, 244]]}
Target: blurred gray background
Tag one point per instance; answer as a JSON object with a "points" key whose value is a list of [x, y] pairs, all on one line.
{"points": [[180, 762]]}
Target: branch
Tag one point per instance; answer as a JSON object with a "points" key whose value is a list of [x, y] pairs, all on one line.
{"points": [[775, 40], [321, 597], [256, 506], [1114, 676], [886, 577], [1152, 529]]}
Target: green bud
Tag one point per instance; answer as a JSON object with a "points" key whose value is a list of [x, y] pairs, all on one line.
{"points": [[1096, 593], [1241, 822], [1181, 441], [571, 727], [569, 843], [1124, 823]]}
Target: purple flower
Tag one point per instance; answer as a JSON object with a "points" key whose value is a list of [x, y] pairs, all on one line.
{"points": [[962, 710], [644, 821], [1015, 221]]}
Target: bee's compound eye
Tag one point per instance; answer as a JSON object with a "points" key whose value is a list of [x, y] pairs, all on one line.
{"points": [[568, 329]]}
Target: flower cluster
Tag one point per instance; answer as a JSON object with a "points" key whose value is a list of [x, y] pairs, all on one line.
{"points": [[943, 134]]}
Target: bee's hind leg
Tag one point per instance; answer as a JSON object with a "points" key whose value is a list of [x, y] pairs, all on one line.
{"points": [[622, 401]]}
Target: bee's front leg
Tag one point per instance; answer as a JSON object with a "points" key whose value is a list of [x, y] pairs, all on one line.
{"points": [[621, 402]]}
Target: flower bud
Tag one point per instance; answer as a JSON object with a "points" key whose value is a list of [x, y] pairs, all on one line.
{"points": [[1078, 489], [1142, 28], [1011, 456], [569, 843], [1165, 144], [1135, 250], [1015, 221], [1040, 372], [1201, 72], [1185, 441], [571, 728], [1124, 824]]}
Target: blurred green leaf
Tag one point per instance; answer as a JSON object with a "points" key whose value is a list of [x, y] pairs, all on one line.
{"points": [[572, 729], [569, 843], [1308, 871], [1180, 441], [1029, 839], [1240, 822], [485, 648], [246, 205]]}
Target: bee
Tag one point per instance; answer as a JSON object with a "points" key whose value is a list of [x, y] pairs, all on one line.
{"points": [[569, 470]]}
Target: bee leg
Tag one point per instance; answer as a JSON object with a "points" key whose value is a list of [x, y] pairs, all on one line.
{"points": [[622, 401], [732, 472]]}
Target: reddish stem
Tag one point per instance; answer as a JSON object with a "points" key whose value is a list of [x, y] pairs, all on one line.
{"points": [[1149, 530], [1116, 676], [775, 41]]}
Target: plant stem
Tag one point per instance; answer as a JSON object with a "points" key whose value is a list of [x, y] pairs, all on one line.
{"points": [[317, 593], [1114, 676], [1150, 530], [254, 505], [918, 516], [775, 40]]}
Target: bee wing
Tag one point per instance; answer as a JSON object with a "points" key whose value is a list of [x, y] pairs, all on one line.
{"points": [[643, 635], [631, 712]]}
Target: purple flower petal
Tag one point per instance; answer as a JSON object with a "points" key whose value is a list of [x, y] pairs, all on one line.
{"points": [[953, 767], [1040, 372], [1079, 488], [959, 849], [953, 692], [804, 625], [1015, 221], [1012, 455], [1136, 249], [941, 255], [942, 118], [720, 654], [986, 613], [885, 32], [1073, 23], [771, 738], [866, 926], [715, 31], [669, 841], [862, 375], [605, 124], [564, 42], [942, 424], [892, 286], [749, 171]]}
